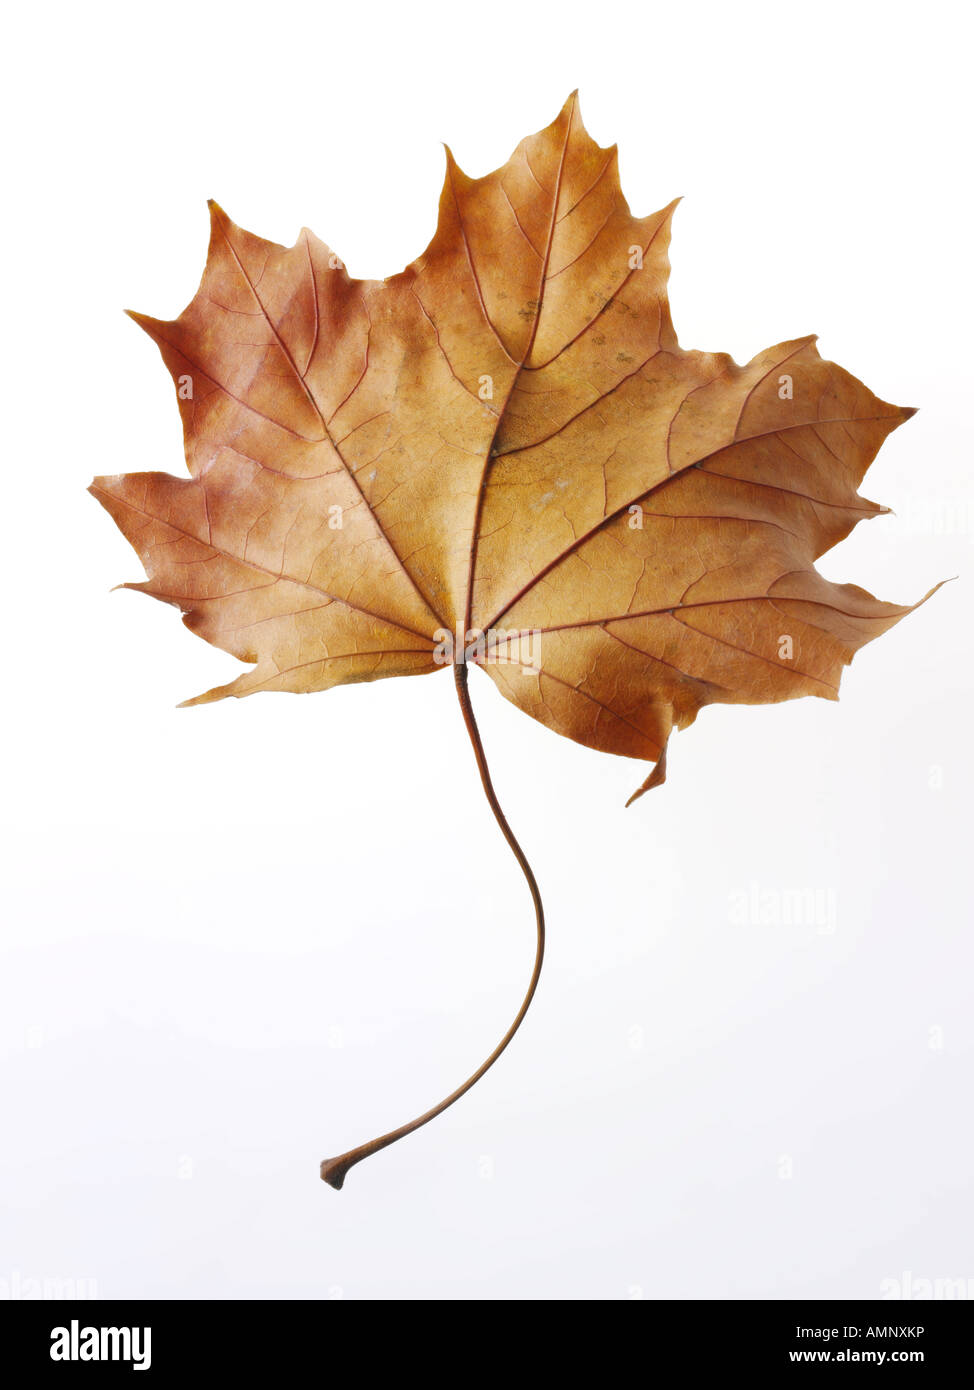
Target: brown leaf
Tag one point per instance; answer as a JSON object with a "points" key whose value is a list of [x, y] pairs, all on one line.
{"points": [[502, 457], [652, 514]]}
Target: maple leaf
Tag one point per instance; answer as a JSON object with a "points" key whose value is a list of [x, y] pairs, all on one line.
{"points": [[502, 457]]}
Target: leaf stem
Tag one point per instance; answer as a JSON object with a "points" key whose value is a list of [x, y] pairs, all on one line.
{"points": [[333, 1170]]}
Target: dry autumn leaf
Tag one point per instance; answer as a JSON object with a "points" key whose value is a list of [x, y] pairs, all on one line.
{"points": [[502, 457]]}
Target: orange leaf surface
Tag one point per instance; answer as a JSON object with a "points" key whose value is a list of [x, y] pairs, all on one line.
{"points": [[506, 437]]}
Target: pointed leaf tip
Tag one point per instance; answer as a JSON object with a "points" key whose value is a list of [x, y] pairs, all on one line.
{"points": [[571, 106]]}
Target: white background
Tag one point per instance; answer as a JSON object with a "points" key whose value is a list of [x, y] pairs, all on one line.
{"points": [[243, 937]]}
